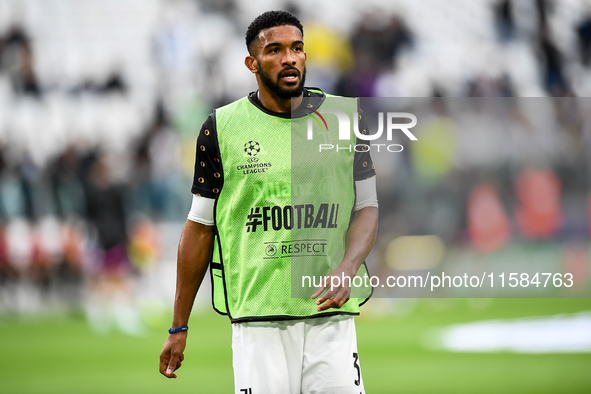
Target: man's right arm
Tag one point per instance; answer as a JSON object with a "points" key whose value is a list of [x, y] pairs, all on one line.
{"points": [[195, 248]]}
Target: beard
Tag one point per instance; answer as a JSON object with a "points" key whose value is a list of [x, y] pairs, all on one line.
{"points": [[281, 92]]}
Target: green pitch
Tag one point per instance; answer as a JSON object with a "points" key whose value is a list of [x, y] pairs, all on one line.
{"points": [[64, 356]]}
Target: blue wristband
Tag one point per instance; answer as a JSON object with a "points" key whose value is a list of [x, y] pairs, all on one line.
{"points": [[178, 329]]}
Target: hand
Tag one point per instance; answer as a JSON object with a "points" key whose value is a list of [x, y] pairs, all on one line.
{"points": [[338, 292], [172, 355]]}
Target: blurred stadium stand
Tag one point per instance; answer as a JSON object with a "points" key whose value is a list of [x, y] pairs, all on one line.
{"points": [[104, 98]]}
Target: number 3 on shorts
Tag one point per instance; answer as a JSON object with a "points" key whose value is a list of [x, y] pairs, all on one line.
{"points": [[356, 365]]}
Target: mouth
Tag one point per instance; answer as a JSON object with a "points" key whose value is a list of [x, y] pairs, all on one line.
{"points": [[290, 76]]}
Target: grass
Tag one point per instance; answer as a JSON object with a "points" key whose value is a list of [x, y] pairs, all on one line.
{"points": [[53, 355]]}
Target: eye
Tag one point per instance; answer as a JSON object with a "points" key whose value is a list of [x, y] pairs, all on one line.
{"points": [[298, 49]]}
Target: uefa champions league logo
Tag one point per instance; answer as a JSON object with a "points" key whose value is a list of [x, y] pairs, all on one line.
{"points": [[254, 164], [252, 148]]}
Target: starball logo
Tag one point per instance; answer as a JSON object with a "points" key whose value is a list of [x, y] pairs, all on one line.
{"points": [[345, 130], [252, 151]]}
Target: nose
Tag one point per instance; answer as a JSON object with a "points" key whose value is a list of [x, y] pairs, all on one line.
{"points": [[288, 59]]}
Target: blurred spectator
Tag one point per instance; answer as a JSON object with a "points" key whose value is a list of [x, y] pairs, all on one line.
{"points": [[226, 7], [16, 58], [379, 43], [106, 213], [70, 274], [433, 160], [552, 63], [329, 55], [583, 31], [488, 223], [359, 81], [504, 20], [544, 9], [6, 273], [15, 201], [155, 168], [539, 214], [391, 40], [114, 83], [110, 295], [67, 187], [376, 46], [145, 245], [486, 87]]}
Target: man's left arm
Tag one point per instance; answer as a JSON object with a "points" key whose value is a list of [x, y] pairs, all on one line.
{"points": [[361, 234], [359, 241]]}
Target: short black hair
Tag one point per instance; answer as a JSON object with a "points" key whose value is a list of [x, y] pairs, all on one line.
{"points": [[267, 20]]}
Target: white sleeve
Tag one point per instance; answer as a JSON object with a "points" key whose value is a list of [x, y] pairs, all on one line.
{"points": [[202, 210], [366, 194]]}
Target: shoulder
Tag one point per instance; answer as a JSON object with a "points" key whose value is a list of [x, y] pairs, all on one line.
{"points": [[334, 96], [347, 104], [232, 112], [314, 92], [232, 106], [343, 99]]}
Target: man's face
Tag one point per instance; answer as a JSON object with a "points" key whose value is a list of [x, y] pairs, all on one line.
{"points": [[281, 60]]}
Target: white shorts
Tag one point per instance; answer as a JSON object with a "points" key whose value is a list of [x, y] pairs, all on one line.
{"points": [[311, 356]]}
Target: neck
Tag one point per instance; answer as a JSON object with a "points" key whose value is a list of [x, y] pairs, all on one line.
{"points": [[275, 103]]}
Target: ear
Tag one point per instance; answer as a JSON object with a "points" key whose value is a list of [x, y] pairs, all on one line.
{"points": [[251, 63]]}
